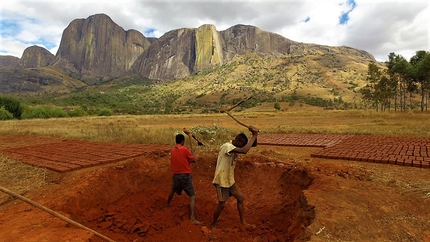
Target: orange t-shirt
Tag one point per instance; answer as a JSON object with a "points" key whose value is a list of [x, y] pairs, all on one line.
{"points": [[180, 159]]}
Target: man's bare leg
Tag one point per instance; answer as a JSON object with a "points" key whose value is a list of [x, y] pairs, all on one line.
{"points": [[241, 209], [169, 199], [217, 212], [192, 208]]}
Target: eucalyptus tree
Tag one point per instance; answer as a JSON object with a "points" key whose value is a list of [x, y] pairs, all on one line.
{"points": [[420, 73], [386, 90], [370, 92], [399, 73]]}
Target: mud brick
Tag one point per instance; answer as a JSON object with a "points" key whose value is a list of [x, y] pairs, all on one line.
{"points": [[408, 162], [350, 157], [358, 158], [377, 160], [416, 163], [364, 158], [115, 159], [380, 158], [385, 160], [87, 164], [369, 159], [373, 159], [425, 164], [105, 160], [392, 156], [61, 169]]}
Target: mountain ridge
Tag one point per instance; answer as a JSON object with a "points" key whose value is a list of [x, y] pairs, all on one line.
{"points": [[98, 47], [211, 66]]}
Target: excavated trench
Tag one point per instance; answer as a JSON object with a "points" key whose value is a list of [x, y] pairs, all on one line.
{"points": [[127, 201]]}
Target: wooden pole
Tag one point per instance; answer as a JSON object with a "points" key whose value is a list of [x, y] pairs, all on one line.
{"points": [[53, 213]]}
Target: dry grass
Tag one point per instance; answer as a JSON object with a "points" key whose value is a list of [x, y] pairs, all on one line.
{"points": [[19, 177], [161, 128]]}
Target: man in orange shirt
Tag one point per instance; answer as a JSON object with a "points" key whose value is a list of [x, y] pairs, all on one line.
{"points": [[180, 160]]}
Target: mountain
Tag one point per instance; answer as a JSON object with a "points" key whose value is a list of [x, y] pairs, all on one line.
{"points": [[36, 56], [8, 61], [97, 46], [202, 66]]}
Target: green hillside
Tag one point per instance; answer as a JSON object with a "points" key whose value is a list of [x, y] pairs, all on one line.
{"points": [[318, 79]]}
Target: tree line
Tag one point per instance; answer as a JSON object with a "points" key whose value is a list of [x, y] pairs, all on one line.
{"points": [[12, 108], [395, 84]]}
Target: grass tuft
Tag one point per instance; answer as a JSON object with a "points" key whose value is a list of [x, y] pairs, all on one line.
{"points": [[19, 177]]}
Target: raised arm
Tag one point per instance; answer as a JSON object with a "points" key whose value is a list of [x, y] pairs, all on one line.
{"points": [[251, 141]]}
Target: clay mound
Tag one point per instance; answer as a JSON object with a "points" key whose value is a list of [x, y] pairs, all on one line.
{"points": [[127, 202]]}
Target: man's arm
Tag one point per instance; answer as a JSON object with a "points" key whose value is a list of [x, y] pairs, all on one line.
{"points": [[190, 156], [250, 143]]}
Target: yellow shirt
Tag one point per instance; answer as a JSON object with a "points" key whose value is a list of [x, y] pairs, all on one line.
{"points": [[224, 171]]}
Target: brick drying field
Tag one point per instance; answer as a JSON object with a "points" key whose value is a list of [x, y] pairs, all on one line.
{"points": [[69, 155], [404, 151]]}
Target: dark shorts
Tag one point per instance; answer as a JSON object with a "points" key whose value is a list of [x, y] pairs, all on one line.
{"points": [[224, 193], [183, 182]]}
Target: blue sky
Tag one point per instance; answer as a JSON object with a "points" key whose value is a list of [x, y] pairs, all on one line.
{"points": [[376, 26], [344, 16]]}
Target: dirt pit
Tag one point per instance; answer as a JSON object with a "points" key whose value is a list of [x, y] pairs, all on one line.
{"points": [[127, 202], [347, 201]]}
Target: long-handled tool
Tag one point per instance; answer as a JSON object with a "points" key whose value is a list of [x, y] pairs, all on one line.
{"points": [[187, 132], [226, 110], [235, 119], [234, 106]]}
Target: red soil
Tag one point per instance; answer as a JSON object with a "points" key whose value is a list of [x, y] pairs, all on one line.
{"points": [[290, 196]]}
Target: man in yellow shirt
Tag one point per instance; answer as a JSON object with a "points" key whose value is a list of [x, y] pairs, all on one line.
{"points": [[224, 173]]}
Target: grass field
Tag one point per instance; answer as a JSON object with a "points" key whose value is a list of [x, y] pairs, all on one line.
{"points": [[161, 128]]}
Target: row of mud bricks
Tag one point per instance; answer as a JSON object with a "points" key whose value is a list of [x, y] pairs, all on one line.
{"points": [[404, 151], [71, 155]]}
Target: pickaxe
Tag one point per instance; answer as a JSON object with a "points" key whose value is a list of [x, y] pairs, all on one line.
{"points": [[187, 132], [235, 119], [226, 110]]}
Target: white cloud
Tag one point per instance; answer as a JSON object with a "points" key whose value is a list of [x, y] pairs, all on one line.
{"points": [[377, 26]]}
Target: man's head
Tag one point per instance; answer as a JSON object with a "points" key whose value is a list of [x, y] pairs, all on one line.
{"points": [[180, 139], [240, 140]]}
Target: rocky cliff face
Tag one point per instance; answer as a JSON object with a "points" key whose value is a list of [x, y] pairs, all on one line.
{"points": [[209, 46], [8, 61], [169, 57], [35, 56], [179, 53], [97, 46], [244, 38]]}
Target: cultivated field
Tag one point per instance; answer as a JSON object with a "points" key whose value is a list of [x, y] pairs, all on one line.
{"points": [[290, 195]]}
